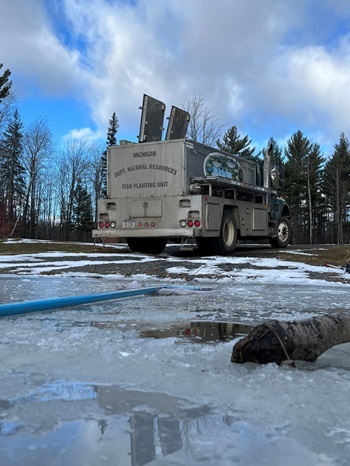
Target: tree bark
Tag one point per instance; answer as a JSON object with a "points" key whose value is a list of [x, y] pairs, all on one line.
{"points": [[278, 341]]}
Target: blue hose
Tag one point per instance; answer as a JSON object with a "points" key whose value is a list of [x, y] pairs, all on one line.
{"points": [[55, 303]]}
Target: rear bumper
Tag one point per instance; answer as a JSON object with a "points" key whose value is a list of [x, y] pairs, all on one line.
{"points": [[149, 233]]}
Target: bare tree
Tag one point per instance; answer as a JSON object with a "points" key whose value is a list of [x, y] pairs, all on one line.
{"points": [[37, 145], [48, 195], [95, 173], [73, 164], [204, 127]]}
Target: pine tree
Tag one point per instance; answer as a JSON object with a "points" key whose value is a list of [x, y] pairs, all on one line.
{"points": [[82, 211], [111, 141], [295, 187], [314, 162], [5, 83], [233, 143], [336, 184], [11, 166]]}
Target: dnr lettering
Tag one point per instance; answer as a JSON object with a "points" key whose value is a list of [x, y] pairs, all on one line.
{"points": [[158, 184], [148, 153], [145, 166], [164, 168]]}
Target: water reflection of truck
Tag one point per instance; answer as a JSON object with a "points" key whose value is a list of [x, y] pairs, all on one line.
{"points": [[181, 190]]}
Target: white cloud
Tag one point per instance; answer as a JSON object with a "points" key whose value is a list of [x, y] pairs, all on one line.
{"points": [[309, 86], [267, 66], [31, 50], [176, 50], [323, 80], [85, 134]]}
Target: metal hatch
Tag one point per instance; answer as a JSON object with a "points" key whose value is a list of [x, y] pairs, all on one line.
{"points": [[178, 123], [152, 118]]}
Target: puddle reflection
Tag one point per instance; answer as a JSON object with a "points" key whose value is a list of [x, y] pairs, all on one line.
{"points": [[99, 423], [200, 331], [197, 331]]}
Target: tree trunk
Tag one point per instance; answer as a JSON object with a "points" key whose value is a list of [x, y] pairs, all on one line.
{"points": [[278, 341], [310, 211]]}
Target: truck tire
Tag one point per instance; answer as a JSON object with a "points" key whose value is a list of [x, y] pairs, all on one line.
{"points": [[284, 234], [226, 243], [147, 245]]}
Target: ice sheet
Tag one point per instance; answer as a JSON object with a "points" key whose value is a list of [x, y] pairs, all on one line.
{"points": [[68, 375]]}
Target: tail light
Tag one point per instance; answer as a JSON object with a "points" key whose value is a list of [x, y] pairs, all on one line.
{"points": [[190, 223], [106, 224]]}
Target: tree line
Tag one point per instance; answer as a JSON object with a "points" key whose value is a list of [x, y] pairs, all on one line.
{"points": [[52, 194], [317, 190], [47, 193]]}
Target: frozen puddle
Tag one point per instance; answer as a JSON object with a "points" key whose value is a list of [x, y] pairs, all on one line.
{"points": [[150, 381], [95, 424], [99, 424], [197, 331]]}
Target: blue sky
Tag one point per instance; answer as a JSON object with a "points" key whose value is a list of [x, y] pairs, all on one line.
{"points": [[270, 67]]}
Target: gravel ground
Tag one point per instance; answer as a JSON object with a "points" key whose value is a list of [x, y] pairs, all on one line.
{"points": [[159, 268], [172, 257]]}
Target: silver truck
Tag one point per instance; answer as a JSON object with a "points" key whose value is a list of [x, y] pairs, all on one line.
{"points": [[183, 191]]}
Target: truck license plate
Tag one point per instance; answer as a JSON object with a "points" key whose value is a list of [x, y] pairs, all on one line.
{"points": [[129, 224]]}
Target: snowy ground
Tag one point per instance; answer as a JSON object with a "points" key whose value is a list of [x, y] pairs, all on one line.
{"points": [[148, 379]]}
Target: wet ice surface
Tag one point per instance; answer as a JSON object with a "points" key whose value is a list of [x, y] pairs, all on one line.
{"points": [[146, 380]]}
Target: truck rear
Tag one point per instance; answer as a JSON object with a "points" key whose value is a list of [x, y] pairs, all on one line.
{"points": [[184, 191]]}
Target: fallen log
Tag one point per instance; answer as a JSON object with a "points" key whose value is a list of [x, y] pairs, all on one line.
{"points": [[277, 341]]}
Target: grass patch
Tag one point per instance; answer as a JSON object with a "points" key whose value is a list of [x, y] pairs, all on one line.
{"points": [[22, 247], [319, 255], [313, 255]]}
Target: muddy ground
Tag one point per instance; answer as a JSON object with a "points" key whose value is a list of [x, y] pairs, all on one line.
{"points": [[319, 255]]}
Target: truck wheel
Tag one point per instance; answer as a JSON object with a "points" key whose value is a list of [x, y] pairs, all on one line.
{"points": [[147, 245], [227, 240], [284, 234]]}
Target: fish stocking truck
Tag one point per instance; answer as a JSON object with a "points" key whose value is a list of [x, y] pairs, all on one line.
{"points": [[182, 191]]}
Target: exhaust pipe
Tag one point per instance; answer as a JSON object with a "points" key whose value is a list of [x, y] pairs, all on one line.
{"points": [[267, 167]]}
